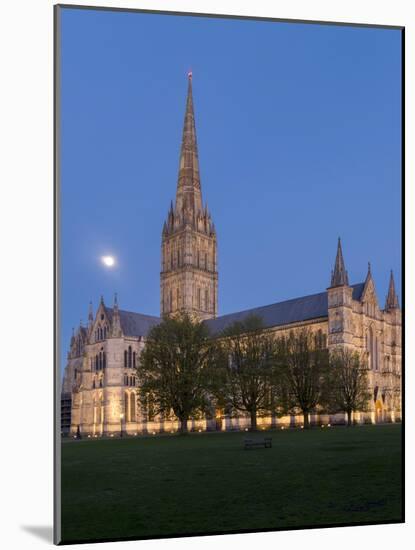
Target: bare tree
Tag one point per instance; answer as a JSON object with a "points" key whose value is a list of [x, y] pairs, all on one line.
{"points": [[248, 368], [303, 372], [348, 388], [175, 368]]}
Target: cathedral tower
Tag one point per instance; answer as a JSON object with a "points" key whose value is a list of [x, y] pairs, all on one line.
{"points": [[189, 278]]}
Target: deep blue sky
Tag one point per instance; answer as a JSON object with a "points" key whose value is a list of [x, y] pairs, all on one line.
{"points": [[299, 138]]}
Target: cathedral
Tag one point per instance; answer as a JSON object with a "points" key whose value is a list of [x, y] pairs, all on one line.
{"points": [[99, 393]]}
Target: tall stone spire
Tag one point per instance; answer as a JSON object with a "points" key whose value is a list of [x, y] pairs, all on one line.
{"points": [[188, 195], [189, 277], [392, 301], [339, 275]]}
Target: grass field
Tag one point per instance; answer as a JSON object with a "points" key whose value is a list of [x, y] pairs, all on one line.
{"points": [[172, 485]]}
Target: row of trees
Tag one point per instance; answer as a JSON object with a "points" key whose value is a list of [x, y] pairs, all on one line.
{"points": [[246, 369]]}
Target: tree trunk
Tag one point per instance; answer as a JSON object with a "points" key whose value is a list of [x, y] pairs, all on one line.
{"points": [[183, 425], [306, 420], [349, 418], [253, 419]]}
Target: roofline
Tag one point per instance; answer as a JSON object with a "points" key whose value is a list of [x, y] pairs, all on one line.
{"points": [[135, 313], [277, 303]]}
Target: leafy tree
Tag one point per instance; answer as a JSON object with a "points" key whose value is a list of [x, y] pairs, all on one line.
{"points": [[175, 368], [303, 372], [348, 387], [248, 368]]}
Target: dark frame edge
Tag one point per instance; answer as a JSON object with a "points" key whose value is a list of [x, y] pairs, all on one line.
{"points": [[403, 174], [56, 281], [227, 16]]}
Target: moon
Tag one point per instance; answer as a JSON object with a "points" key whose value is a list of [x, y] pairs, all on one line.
{"points": [[108, 261]]}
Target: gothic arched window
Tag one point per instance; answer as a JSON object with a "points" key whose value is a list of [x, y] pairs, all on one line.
{"points": [[130, 359], [125, 359], [198, 298], [177, 297], [134, 359], [206, 300]]}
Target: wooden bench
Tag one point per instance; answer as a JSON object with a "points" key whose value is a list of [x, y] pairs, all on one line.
{"points": [[253, 443]]}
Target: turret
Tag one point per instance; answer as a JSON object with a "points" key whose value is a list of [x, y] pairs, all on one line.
{"points": [[116, 321], [392, 301], [340, 303], [339, 275]]}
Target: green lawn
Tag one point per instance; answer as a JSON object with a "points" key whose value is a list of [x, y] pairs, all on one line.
{"points": [[172, 485]]}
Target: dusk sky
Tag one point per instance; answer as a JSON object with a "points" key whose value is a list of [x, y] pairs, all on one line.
{"points": [[299, 136]]}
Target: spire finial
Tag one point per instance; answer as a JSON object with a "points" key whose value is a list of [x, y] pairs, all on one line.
{"points": [[102, 299], [188, 195], [116, 321], [90, 312], [392, 301], [339, 275], [369, 268]]}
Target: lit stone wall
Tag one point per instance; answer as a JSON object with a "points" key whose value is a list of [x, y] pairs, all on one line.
{"points": [[347, 324]]}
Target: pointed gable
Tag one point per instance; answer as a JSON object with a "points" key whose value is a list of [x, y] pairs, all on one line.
{"points": [[369, 291], [101, 327]]}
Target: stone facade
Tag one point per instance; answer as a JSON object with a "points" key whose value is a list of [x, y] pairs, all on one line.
{"points": [[100, 384]]}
